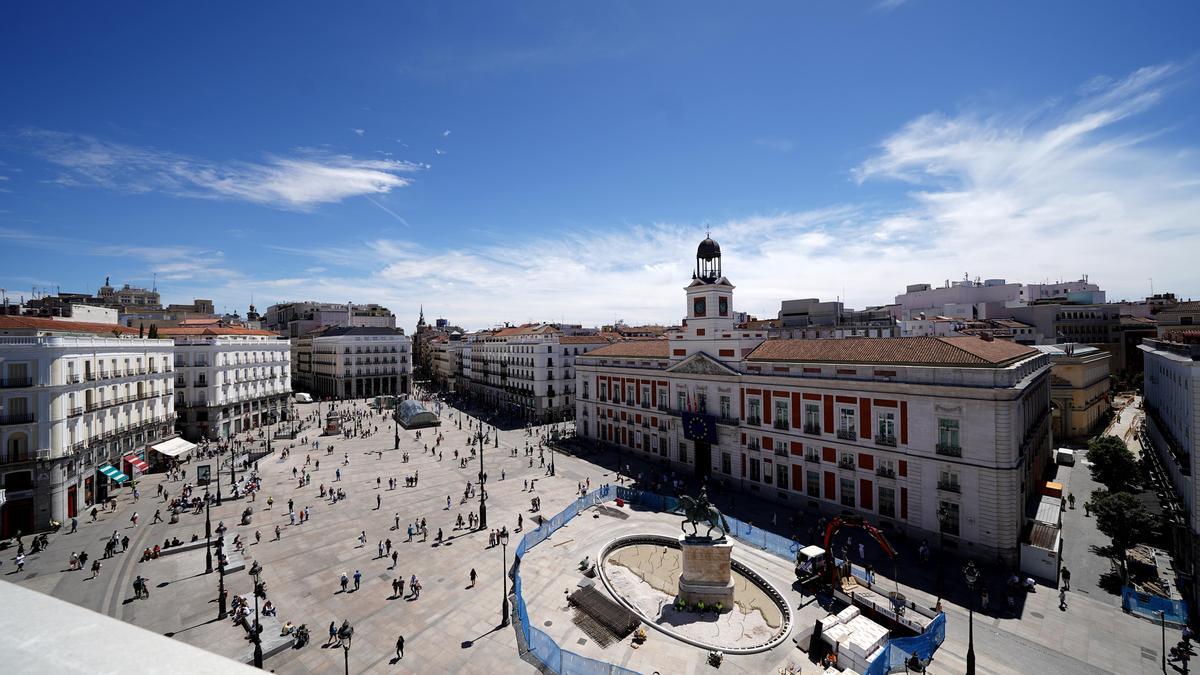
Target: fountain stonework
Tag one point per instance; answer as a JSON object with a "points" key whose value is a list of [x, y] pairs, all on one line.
{"points": [[707, 572]]}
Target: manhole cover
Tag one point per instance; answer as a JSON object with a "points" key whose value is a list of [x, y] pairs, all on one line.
{"points": [[547, 624], [1037, 615], [581, 641]]}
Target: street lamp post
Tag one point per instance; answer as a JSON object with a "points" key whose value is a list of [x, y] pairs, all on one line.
{"points": [[207, 532], [257, 636], [1162, 620], [396, 422], [504, 571], [217, 476], [972, 576], [221, 610], [345, 635], [482, 505]]}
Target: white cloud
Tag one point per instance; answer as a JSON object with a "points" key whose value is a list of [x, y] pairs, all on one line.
{"points": [[1057, 192], [445, 133], [360, 132], [300, 182]]}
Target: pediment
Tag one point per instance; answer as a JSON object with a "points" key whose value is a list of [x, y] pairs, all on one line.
{"points": [[701, 364]]}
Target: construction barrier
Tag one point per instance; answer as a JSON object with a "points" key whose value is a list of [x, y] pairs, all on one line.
{"points": [[1154, 607]]}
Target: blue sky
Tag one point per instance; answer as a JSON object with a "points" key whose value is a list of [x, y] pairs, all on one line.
{"points": [[559, 161]]}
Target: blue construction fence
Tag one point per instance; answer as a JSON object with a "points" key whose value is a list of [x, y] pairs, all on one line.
{"points": [[553, 657], [1154, 607], [897, 652]]}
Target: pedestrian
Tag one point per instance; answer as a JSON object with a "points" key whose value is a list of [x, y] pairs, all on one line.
{"points": [[397, 522], [395, 556], [74, 524], [258, 536], [357, 579], [1066, 578], [157, 516], [472, 577], [380, 550], [277, 531], [124, 543], [20, 560], [134, 518], [395, 588], [400, 647], [1071, 499], [332, 633], [345, 581], [1062, 599], [95, 569]]}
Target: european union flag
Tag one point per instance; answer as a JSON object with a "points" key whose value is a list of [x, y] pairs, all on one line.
{"points": [[699, 427]]}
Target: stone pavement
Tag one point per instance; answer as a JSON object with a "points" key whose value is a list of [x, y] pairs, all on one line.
{"points": [[452, 628]]}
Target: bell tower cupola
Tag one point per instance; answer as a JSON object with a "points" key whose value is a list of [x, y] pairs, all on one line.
{"points": [[708, 261]]}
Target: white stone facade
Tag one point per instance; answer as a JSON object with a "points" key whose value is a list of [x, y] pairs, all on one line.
{"points": [[358, 362], [72, 402], [229, 380]]}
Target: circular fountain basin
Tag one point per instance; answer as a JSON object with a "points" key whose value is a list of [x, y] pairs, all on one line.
{"points": [[642, 572]]}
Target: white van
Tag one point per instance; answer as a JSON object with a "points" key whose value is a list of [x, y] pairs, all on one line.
{"points": [[304, 398], [1065, 457]]}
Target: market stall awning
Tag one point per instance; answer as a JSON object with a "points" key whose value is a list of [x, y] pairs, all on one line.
{"points": [[114, 473], [173, 447], [137, 463]]}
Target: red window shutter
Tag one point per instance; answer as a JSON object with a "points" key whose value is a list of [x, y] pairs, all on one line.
{"points": [[866, 425], [904, 422], [903, 468], [828, 413], [904, 503], [866, 460], [866, 495], [796, 405], [766, 413], [830, 486], [829, 455], [797, 448], [768, 443], [797, 478]]}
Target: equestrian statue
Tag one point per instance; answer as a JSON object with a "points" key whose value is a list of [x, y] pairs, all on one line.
{"points": [[698, 511]]}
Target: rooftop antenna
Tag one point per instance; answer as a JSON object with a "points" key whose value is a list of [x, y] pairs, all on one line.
{"points": [[1151, 286], [155, 287]]}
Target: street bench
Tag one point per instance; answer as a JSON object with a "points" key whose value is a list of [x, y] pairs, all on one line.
{"points": [[273, 641]]}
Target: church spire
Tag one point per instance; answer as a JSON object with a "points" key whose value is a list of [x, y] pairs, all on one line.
{"points": [[421, 319]]}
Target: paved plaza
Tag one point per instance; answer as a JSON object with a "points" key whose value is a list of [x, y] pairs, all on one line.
{"points": [[452, 626]]}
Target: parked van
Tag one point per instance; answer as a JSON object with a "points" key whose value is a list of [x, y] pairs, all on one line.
{"points": [[304, 398]]}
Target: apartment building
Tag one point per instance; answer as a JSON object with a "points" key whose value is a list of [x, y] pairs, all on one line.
{"points": [[228, 379], [353, 362], [81, 404], [922, 435]]}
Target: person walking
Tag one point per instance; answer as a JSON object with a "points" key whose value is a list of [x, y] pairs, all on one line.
{"points": [[332, 633], [472, 577], [277, 532], [1062, 599], [395, 588], [345, 581], [95, 569], [1066, 578], [400, 647], [357, 579], [395, 555]]}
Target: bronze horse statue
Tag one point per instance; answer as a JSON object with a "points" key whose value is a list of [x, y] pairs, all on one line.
{"points": [[699, 511]]}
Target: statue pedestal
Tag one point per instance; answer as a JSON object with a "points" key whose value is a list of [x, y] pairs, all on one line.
{"points": [[707, 575]]}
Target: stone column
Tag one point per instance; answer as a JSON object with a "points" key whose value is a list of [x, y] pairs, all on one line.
{"points": [[707, 572]]}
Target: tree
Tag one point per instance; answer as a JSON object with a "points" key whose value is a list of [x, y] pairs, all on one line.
{"points": [[1113, 464], [1122, 518], [153, 331], [141, 330]]}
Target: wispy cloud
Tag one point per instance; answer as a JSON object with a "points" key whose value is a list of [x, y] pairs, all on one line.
{"points": [[360, 132], [299, 182], [1055, 190]]}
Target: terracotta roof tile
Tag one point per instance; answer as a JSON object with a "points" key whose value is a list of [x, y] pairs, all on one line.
{"points": [[212, 330], [582, 339], [924, 351], [646, 349], [54, 325]]}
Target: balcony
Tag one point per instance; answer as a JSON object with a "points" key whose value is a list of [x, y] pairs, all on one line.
{"points": [[18, 418], [846, 463], [847, 434], [782, 425], [662, 428], [753, 445], [885, 472], [728, 421], [75, 412], [16, 458], [14, 382], [948, 486], [754, 421], [949, 449], [813, 429], [883, 439], [74, 378], [812, 457]]}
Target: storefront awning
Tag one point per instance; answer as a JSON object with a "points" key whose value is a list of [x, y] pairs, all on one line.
{"points": [[137, 463], [114, 473], [173, 447]]}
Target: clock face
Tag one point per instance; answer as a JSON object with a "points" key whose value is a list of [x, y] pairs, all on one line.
{"points": [[698, 307], [723, 306]]}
